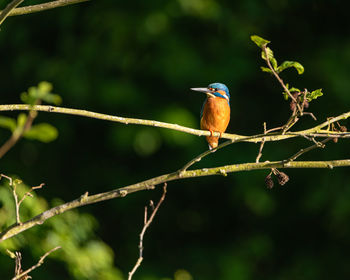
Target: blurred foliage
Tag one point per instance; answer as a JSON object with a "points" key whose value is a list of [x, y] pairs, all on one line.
{"points": [[139, 59], [84, 254]]}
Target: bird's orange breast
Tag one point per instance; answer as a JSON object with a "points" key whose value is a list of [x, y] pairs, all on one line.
{"points": [[216, 116]]}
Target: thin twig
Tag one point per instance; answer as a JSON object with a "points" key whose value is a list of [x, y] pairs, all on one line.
{"points": [[261, 145], [5, 12], [147, 223], [15, 196], [305, 150], [42, 7], [40, 262], [18, 133], [280, 80], [7, 177]]}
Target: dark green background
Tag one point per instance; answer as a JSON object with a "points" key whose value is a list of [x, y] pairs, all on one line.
{"points": [[138, 59]]}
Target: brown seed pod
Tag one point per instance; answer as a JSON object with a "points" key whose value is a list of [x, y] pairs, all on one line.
{"points": [[282, 178], [269, 181]]}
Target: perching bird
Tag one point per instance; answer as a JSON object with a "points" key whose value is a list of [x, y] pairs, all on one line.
{"points": [[215, 114]]}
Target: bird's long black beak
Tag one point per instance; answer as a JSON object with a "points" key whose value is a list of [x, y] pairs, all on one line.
{"points": [[205, 90]]}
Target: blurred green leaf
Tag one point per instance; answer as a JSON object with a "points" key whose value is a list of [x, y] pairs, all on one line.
{"points": [[43, 132], [292, 89], [11, 254], [314, 94], [181, 116], [288, 64], [260, 42], [21, 120], [266, 69], [41, 92], [8, 123], [147, 141]]}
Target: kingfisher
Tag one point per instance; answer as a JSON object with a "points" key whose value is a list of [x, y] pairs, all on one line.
{"points": [[215, 113]]}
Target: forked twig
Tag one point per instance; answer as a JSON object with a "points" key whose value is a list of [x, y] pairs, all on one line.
{"points": [[21, 275], [147, 222]]}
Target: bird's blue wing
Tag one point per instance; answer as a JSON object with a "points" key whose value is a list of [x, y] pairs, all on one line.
{"points": [[203, 108]]}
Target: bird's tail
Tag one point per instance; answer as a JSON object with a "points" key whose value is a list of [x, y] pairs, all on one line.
{"points": [[212, 142]]}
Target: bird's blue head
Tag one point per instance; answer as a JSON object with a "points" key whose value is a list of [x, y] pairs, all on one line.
{"points": [[215, 90]]}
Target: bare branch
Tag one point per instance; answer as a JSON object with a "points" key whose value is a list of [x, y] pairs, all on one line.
{"points": [[42, 7], [5, 12], [40, 262], [305, 150], [147, 223], [86, 199], [234, 137], [18, 133]]}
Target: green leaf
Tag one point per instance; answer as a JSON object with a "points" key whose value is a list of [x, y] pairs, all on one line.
{"points": [[21, 120], [293, 89], [285, 95], [273, 63], [41, 92], [288, 64], [266, 69], [8, 123], [269, 54], [45, 87], [270, 57], [43, 132], [11, 254], [260, 42], [314, 94]]}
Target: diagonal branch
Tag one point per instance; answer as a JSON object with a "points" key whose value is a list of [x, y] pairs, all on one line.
{"points": [[86, 199], [10, 7], [43, 7], [18, 133], [19, 276]]}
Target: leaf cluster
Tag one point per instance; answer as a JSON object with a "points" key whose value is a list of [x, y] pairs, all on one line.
{"points": [[43, 132], [267, 55]]}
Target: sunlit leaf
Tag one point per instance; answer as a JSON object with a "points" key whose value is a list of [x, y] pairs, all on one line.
{"points": [[41, 92], [43, 132], [293, 89], [270, 56], [314, 94], [260, 42], [11, 254], [266, 69], [288, 64], [45, 87], [285, 95], [8, 123], [21, 120]]}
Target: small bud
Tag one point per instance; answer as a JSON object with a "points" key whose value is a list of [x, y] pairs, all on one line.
{"points": [[282, 178], [269, 181], [343, 128], [335, 139], [306, 103]]}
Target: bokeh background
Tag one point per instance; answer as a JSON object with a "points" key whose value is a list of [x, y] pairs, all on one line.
{"points": [[139, 59]]}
